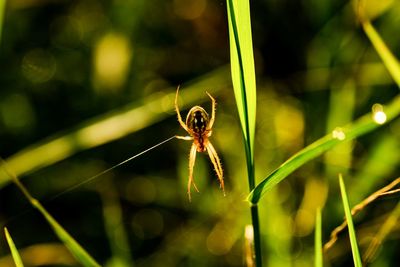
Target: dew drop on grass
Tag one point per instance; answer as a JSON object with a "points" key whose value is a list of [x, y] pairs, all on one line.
{"points": [[378, 114], [338, 133]]}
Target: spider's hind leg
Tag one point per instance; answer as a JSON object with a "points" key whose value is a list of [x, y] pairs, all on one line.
{"points": [[192, 159], [217, 164]]}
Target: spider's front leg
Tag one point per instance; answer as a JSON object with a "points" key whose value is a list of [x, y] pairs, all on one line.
{"points": [[213, 108], [187, 138], [178, 113]]}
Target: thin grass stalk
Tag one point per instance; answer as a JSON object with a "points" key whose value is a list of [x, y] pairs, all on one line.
{"points": [[318, 262], [14, 251], [73, 246], [384, 191], [242, 98], [243, 105], [388, 59], [352, 233], [2, 11]]}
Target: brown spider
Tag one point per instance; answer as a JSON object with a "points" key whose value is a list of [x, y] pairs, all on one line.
{"points": [[199, 127]]}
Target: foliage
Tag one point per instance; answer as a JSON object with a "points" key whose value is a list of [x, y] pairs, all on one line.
{"points": [[13, 248], [88, 84]]}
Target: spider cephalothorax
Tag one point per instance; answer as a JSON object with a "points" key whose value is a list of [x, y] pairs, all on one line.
{"points": [[199, 127], [197, 121]]}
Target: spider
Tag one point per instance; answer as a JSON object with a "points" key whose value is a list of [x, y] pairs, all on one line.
{"points": [[199, 127]]}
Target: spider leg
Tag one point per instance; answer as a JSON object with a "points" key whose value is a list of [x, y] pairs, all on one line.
{"points": [[178, 112], [187, 138], [192, 159], [217, 164], [214, 105]]}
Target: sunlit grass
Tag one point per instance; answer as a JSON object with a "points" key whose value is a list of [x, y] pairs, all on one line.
{"points": [[14, 250], [349, 219], [2, 10], [244, 86], [74, 247], [348, 132], [363, 12], [149, 204], [318, 260]]}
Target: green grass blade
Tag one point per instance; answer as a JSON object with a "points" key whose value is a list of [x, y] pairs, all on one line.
{"points": [[390, 61], [352, 232], [358, 128], [13, 248], [73, 246], [244, 86], [318, 240], [243, 73], [2, 11]]}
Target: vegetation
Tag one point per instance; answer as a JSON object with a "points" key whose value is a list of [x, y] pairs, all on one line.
{"points": [[86, 85]]}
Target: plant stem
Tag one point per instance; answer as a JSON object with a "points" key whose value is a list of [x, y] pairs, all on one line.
{"points": [[257, 235], [254, 212]]}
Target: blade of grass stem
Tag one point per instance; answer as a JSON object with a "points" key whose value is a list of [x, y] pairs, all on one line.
{"points": [[389, 60], [318, 240], [391, 63], [2, 11], [244, 86], [14, 252], [243, 73], [384, 191], [352, 232], [361, 126], [73, 246]]}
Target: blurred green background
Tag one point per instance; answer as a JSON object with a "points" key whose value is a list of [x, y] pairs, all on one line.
{"points": [[87, 84]]}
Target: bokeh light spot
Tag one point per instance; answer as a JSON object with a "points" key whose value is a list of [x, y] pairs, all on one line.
{"points": [[189, 9], [112, 57], [219, 241], [289, 135], [38, 66], [16, 113], [304, 221]]}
